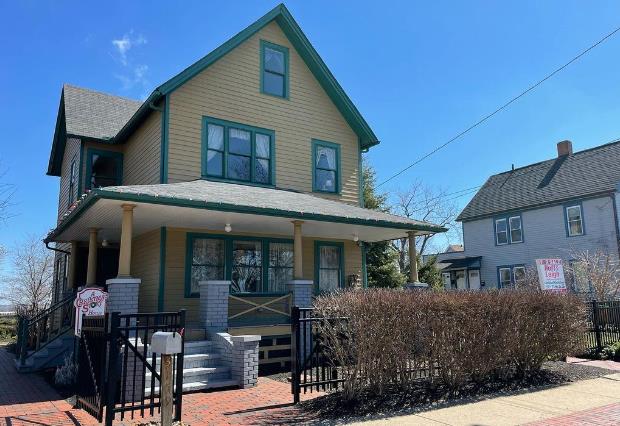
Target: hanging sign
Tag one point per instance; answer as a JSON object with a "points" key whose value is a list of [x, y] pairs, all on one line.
{"points": [[90, 302], [551, 274]]}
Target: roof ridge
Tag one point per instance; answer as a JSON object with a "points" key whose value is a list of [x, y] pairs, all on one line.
{"points": [[99, 92]]}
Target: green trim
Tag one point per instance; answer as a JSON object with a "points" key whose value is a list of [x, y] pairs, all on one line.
{"points": [[97, 194], [73, 180], [317, 261], [162, 268], [163, 167], [364, 266], [360, 176], [118, 156], [81, 171], [253, 130], [315, 144], [228, 259], [284, 51]]}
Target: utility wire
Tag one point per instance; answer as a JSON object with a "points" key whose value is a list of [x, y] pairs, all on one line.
{"points": [[504, 106]]}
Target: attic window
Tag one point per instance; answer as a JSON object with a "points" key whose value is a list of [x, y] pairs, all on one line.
{"points": [[274, 69]]}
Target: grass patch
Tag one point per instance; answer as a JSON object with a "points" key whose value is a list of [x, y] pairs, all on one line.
{"points": [[8, 328]]}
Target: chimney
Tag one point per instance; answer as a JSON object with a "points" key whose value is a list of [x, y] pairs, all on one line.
{"points": [[565, 148]]}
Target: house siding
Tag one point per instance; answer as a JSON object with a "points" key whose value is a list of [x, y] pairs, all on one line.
{"points": [[175, 267], [145, 265], [230, 89], [544, 233], [141, 156], [72, 150]]}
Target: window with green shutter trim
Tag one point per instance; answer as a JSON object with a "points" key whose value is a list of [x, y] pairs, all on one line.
{"points": [[237, 152], [274, 69], [325, 166]]}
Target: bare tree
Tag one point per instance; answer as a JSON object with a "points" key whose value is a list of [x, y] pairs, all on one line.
{"points": [[596, 272], [421, 202], [6, 193], [29, 284]]}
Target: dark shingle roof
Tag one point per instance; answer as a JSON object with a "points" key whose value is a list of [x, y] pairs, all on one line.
{"points": [[582, 174], [96, 115]]}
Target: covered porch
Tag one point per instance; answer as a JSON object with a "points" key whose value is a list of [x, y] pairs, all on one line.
{"points": [[263, 243]]}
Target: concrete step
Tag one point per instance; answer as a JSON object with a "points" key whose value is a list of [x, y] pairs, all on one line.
{"points": [[198, 360], [200, 373], [194, 347], [201, 385]]}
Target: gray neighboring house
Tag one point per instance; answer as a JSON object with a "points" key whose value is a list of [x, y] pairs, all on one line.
{"points": [[554, 208]]}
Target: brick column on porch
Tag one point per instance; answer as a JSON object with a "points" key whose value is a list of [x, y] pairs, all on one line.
{"points": [[302, 292], [245, 360], [214, 305]]}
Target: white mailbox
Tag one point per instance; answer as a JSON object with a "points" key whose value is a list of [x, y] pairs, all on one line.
{"points": [[166, 343]]}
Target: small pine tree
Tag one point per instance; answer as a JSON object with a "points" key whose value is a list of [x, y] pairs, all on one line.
{"points": [[430, 274], [381, 258]]}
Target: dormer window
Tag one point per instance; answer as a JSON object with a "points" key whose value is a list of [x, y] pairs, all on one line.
{"points": [[274, 69], [103, 168]]}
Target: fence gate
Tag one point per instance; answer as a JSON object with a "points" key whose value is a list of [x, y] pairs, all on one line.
{"points": [[92, 363], [117, 373], [310, 368]]}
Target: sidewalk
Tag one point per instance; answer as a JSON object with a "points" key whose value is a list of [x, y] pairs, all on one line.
{"points": [[586, 402]]}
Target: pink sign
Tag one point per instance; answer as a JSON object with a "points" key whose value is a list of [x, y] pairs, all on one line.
{"points": [[551, 274], [90, 302]]}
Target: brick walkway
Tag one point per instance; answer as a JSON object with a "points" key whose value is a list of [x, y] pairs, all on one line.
{"points": [[603, 416]]}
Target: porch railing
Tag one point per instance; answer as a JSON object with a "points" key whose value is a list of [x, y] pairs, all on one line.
{"points": [[259, 308], [36, 332]]}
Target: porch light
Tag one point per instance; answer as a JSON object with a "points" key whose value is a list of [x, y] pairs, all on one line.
{"points": [[104, 243], [356, 238], [228, 228]]}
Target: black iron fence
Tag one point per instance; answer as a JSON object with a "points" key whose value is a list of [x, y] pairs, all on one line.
{"points": [[603, 324], [118, 376], [311, 369]]}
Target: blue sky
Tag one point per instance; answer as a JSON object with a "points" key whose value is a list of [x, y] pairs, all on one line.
{"points": [[419, 72]]}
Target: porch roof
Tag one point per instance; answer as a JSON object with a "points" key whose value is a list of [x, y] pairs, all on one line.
{"points": [[247, 208]]}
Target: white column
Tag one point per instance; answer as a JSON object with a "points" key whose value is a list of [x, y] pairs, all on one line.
{"points": [[298, 270], [413, 265], [124, 256]]}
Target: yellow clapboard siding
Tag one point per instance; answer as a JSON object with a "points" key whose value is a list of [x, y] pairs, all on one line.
{"points": [[230, 89], [141, 157], [145, 265], [72, 150]]}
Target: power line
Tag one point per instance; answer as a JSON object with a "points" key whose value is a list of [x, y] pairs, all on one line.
{"points": [[504, 106]]}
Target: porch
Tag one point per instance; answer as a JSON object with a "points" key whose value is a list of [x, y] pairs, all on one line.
{"points": [[264, 243]]}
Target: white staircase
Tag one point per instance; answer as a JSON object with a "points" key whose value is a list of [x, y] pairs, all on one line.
{"points": [[202, 369]]}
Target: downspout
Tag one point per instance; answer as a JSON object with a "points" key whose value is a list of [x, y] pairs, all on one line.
{"points": [[47, 246]]}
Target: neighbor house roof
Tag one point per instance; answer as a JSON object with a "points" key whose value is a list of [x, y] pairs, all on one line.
{"points": [[223, 196], [134, 112], [583, 174]]}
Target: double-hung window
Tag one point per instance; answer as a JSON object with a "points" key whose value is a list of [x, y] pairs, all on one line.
{"points": [[237, 152], [325, 167], [574, 220], [329, 266], [508, 230], [510, 276], [103, 168], [274, 69], [73, 176]]}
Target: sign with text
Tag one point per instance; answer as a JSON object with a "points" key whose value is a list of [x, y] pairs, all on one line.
{"points": [[551, 274], [90, 302]]}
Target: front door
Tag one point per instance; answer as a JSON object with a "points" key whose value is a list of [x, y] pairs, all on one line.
{"points": [[461, 282], [474, 279]]}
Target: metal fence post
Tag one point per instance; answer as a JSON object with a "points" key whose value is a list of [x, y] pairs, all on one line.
{"points": [[113, 370], [597, 329], [23, 348], [295, 353]]}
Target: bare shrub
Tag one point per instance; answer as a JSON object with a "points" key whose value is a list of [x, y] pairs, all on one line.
{"points": [[596, 272], [66, 374], [449, 339]]}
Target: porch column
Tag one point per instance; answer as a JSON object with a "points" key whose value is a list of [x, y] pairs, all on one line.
{"points": [[72, 265], [413, 265], [298, 272], [91, 271], [124, 257]]}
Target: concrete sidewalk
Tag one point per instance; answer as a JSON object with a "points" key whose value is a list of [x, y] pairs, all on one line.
{"points": [[586, 402]]}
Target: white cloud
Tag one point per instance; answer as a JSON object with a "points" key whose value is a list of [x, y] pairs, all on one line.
{"points": [[136, 78], [124, 44]]}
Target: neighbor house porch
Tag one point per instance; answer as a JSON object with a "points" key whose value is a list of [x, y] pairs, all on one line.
{"points": [[269, 249]]}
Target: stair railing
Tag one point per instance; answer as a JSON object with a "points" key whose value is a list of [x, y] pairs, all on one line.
{"points": [[34, 333]]}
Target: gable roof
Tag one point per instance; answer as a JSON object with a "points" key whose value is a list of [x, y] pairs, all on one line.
{"points": [[291, 29], [587, 173]]}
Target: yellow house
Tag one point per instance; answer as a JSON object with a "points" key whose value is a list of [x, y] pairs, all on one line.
{"points": [[244, 168]]}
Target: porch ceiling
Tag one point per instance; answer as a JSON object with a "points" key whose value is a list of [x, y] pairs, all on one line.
{"points": [[210, 205]]}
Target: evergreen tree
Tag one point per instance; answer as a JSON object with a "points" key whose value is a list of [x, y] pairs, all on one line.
{"points": [[381, 257]]}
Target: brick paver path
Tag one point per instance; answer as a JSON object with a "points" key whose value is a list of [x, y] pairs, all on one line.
{"points": [[601, 416], [26, 399]]}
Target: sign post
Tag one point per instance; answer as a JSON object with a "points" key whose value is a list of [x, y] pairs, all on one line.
{"points": [[166, 344], [551, 274], [89, 302]]}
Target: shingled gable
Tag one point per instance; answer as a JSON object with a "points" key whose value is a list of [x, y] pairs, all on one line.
{"points": [[289, 26], [583, 174]]}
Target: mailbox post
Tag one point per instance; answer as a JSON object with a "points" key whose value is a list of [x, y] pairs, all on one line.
{"points": [[166, 344]]}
